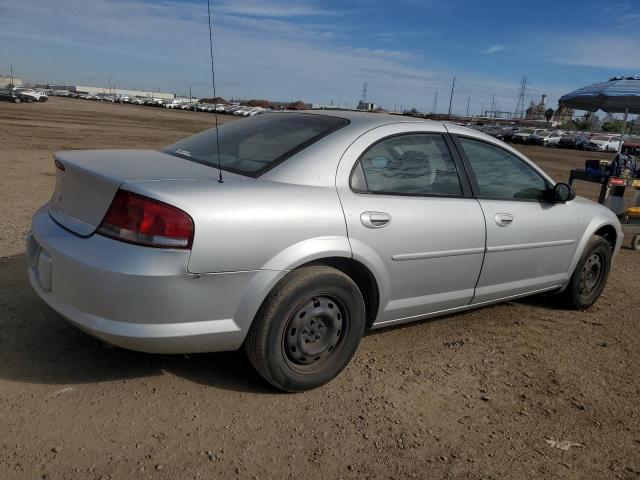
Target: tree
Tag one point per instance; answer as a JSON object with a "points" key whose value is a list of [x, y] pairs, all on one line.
{"points": [[213, 100], [297, 106], [548, 114], [258, 103], [614, 126]]}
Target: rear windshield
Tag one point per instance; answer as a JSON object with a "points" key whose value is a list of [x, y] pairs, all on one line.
{"points": [[254, 145]]}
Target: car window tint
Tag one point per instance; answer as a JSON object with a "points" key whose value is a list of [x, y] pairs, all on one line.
{"points": [[501, 174], [417, 164], [251, 146]]}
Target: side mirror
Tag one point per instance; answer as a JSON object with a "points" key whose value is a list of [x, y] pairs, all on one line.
{"points": [[563, 192]]}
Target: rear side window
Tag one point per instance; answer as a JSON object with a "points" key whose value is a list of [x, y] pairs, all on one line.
{"points": [[254, 145], [414, 164], [502, 175]]}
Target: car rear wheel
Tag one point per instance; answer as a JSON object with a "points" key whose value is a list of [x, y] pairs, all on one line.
{"points": [[307, 330], [590, 276]]}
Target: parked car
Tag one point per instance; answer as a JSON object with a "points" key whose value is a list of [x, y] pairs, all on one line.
{"points": [[173, 104], [509, 133], [13, 95], [569, 140], [322, 226], [602, 143], [496, 131], [34, 95], [631, 145], [546, 139], [524, 134]]}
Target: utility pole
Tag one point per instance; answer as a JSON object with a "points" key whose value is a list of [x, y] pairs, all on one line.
{"points": [[435, 103], [493, 105], [451, 97], [11, 74], [468, 101], [189, 93]]}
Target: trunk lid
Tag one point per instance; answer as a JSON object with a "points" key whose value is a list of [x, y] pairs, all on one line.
{"points": [[87, 181]]}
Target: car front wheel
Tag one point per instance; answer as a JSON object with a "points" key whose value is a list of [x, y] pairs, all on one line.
{"points": [[590, 276], [307, 330]]}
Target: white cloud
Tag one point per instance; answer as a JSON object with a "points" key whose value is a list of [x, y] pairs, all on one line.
{"points": [[493, 49], [602, 51], [270, 8]]}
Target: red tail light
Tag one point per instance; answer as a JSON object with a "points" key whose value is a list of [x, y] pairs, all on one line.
{"points": [[137, 219]]}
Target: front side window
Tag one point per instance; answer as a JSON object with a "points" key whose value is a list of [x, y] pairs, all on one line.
{"points": [[415, 164], [252, 146], [501, 174]]}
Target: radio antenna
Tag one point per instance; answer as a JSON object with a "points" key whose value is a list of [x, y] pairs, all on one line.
{"points": [[213, 83]]}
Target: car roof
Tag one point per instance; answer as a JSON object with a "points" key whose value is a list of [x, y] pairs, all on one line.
{"points": [[367, 120]]}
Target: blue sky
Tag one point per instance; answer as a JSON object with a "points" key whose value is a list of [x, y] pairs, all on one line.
{"points": [[319, 51]]}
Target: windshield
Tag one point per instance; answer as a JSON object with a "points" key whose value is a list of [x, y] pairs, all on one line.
{"points": [[526, 130], [601, 137], [254, 145]]}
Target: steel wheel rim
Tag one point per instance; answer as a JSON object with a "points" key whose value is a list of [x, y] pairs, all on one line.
{"points": [[314, 333], [591, 274]]}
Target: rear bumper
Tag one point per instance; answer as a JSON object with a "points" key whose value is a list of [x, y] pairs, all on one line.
{"points": [[135, 297]]}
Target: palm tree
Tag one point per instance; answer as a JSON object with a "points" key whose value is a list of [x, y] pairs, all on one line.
{"points": [[548, 114]]}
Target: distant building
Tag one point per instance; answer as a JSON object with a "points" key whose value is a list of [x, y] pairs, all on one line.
{"points": [[562, 115], [113, 91], [536, 111], [122, 92], [6, 81], [368, 106]]}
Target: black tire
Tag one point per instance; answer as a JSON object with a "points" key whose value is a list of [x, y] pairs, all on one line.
{"points": [[16, 100], [296, 351], [590, 276], [635, 242]]}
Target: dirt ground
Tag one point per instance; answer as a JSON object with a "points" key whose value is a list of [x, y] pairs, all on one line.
{"points": [[479, 395]]}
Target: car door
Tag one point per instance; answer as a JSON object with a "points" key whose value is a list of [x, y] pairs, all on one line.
{"points": [[530, 240], [410, 215]]}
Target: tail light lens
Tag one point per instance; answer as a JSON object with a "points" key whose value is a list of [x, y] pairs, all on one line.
{"points": [[137, 219]]}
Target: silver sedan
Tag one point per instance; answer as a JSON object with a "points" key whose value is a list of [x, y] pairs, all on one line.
{"points": [[290, 234]]}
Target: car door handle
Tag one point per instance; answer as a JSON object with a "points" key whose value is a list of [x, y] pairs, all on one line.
{"points": [[375, 219], [503, 219]]}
